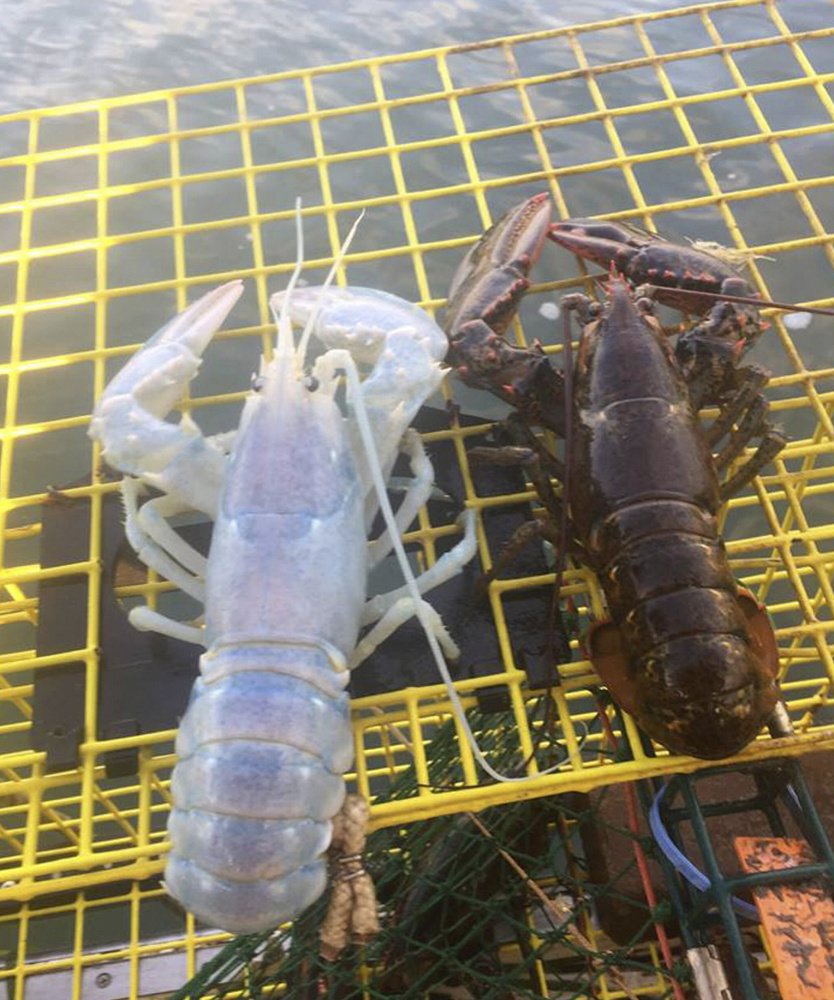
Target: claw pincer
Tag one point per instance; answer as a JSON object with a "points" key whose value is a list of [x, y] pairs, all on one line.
{"points": [[483, 299], [129, 418], [677, 273]]}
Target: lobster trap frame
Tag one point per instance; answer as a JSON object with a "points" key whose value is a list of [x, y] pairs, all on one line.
{"points": [[115, 213], [685, 808]]}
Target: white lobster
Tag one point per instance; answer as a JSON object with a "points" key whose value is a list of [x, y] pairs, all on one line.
{"points": [[266, 737]]}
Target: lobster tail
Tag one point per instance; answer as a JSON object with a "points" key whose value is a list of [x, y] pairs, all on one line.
{"points": [[244, 907], [261, 756], [706, 695]]}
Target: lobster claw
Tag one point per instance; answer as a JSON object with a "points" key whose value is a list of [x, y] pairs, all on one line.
{"points": [[492, 277], [605, 243], [483, 298], [695, 279]]}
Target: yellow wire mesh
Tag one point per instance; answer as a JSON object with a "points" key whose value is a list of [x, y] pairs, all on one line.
{"points": [[115, 213]]}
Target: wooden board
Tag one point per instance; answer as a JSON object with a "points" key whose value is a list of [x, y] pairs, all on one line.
{"points": [[797, 918]]}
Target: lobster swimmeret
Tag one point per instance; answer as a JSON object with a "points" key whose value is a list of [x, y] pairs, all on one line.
{"points": [[687, 653]]}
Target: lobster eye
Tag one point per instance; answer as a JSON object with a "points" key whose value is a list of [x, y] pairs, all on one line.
{"points": [[311, 383], [256, 383]]}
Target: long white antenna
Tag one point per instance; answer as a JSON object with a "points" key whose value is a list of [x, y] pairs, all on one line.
{"points": [[388, 516], [366, 434]]}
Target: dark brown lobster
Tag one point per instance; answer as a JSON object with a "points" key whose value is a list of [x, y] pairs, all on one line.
{"points": [[691, 656]]}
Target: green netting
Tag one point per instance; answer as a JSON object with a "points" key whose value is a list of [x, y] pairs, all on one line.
{"points": [[500, 905]]}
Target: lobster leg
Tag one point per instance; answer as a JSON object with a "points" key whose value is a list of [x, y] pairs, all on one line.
{"points": [[750, 382], [444, 569], [544, 465], [772, 443], [144, 619], [753, 424], [417, 493], [709, 366], [537, 529], [392, 609], [401, 611], [153, 515], [149, 549], [540, 465], [528, 531]]}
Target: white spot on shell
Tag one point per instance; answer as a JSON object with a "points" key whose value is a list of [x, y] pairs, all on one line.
{"points": [[797, 320]]}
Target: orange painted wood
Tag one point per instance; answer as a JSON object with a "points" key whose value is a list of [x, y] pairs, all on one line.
{"points": [[797, 918]]}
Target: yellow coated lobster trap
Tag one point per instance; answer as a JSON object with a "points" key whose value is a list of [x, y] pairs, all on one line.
{"points": [[712, 121]]}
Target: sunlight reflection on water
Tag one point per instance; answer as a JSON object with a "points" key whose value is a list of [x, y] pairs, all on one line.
{"points": [[56, 51]]}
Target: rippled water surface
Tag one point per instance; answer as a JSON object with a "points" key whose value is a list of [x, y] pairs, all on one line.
{"points": [[56, 51], [59, 51]]}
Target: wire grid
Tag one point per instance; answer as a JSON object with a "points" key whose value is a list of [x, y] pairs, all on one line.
{"points": [[117, 212]]}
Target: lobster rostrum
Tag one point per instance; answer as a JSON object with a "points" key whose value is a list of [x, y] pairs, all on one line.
{"points": [[691, 656]]}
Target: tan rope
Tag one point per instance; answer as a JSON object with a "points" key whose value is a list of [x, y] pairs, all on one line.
{"points": [[352, 913]]}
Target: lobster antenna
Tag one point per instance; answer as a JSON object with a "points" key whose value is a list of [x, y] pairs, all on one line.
{"points": [[366, 434], [747, 300], [284, 346], [328, 281]]}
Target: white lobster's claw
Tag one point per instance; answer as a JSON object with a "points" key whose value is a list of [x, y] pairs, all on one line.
{"points": [[129, 418], [402, 342], [361, 319], [157, 374]]}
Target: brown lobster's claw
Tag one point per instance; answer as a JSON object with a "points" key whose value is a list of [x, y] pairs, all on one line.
{"points": [[483, 299], [689, 278], [492, 277], [605, 243]]}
